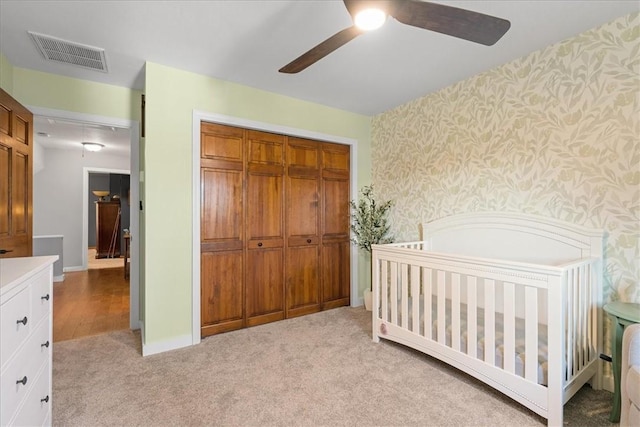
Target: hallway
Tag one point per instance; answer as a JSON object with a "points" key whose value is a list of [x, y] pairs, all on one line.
{"points": [[89, 303]]}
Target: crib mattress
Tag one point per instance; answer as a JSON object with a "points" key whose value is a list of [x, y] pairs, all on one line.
{"points": [[498, 334]]}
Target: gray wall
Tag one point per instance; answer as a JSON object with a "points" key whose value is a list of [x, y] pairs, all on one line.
{"points": [[57, 196]]}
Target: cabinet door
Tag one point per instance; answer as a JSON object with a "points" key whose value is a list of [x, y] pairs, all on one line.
{"points": [[222, 241], [335, 225], [16, 187], [265, 227], [303, 227], [107, 229]]}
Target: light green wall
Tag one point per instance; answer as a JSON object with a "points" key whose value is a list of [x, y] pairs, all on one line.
{"points": [[64, 93], [6, 75], [171, 97]]}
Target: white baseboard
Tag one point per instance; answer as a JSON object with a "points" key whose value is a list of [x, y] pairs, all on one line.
{"points": [[162, 346], [73, 268], [58, 278], [357, 302]]}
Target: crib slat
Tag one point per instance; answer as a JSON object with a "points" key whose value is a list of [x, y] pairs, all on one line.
{"points": [[404, 291], [489, 322], [427, 295], [531, 334], [472, 316], [581, 327], [570, 326], [415, 299], [441, 309], [384, 290], [509, 344], [394, 293], [455, 311]]}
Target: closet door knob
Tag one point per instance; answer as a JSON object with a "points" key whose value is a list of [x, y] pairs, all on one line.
{"points": [[46, 297], [45, 400], [260, 244], [23, 321], [23, 381], [45, 344]]}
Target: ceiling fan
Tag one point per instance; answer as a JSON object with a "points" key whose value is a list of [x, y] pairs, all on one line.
{"points": [[371, 14]]}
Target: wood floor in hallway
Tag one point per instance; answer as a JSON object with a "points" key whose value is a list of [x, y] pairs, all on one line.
{"points": [[90, 302]]}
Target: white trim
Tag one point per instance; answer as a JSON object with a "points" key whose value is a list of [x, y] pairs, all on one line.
{"points": [[59, 278], [133, 126], [73, 268], [168, 345], [203, 116]]}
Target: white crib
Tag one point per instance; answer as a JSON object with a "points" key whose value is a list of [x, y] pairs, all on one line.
{"points": [[511, 299]]}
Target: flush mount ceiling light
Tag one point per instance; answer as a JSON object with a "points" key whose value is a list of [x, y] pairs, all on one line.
{"points": [[370, 19], [92, 146]]}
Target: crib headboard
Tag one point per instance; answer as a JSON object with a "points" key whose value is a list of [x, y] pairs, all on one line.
{"points": [[512, 236]]}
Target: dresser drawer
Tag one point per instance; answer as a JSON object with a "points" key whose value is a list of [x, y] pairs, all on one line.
{"points": [[37, 405], [41, 296], [14, 333], [29, 361]]}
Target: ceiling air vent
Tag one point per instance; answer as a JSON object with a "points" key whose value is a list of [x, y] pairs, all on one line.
{"points": [[55, 49]]}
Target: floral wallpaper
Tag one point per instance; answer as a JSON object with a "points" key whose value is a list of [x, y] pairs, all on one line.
{"points": [[555, 133]]}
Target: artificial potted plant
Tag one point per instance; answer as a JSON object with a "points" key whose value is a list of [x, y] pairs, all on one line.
{"points": [[370, 226]]}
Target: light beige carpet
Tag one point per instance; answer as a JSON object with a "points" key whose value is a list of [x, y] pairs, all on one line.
{"points": [[321, 369]]}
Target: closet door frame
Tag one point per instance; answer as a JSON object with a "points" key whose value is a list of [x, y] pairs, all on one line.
{"points": [[203, 116]]}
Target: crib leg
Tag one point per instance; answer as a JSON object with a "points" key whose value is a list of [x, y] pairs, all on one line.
{"points": [[555, 416]]}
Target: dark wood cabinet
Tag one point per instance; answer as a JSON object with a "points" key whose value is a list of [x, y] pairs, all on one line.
{"points": [[108, 229], [274, 225]]}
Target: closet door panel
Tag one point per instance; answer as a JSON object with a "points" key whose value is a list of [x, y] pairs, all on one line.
{"points": [[265, 202], [303, 206], [335, 274], [222, 228], [336, 243], [303, 284], [221, 290], [264, 284], [221, 205]]}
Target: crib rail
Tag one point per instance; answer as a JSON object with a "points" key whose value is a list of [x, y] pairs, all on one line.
{"points": [[503, 322]]}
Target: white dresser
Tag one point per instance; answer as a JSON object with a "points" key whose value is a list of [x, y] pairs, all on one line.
{"points": [[26, 340]]}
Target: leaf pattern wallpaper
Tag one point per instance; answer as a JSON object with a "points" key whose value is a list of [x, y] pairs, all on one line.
{"points": [[555, 133]]}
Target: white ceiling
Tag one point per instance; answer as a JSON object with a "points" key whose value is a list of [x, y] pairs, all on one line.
{"points": [[69, 135], [248, 41]]}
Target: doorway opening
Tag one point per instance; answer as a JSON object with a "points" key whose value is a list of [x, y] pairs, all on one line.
{"points": [[65, 173]]}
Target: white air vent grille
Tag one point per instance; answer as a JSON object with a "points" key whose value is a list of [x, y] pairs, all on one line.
{"points": [[55, 49]]}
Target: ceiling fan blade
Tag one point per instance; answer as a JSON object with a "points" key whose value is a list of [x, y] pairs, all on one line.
{"points": [[464, 24], [321, 50]]}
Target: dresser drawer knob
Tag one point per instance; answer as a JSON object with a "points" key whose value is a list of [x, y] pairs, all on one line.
{"points": [[23, 321], [46, 297], [260, 244], [308, 240], [23, 381], [45, 400], [45, 344]]}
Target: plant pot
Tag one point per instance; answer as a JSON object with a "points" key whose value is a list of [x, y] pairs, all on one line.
{"points": [[368, 299]]}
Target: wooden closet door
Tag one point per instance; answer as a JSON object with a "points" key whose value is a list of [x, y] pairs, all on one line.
{"points": [[16, 178], [335, 225], [222, 236], [265, 227], [303, 227]]}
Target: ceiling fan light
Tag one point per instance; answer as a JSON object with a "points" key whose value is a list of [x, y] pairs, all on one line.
{"points": [[92, 146], [370, 19]]}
